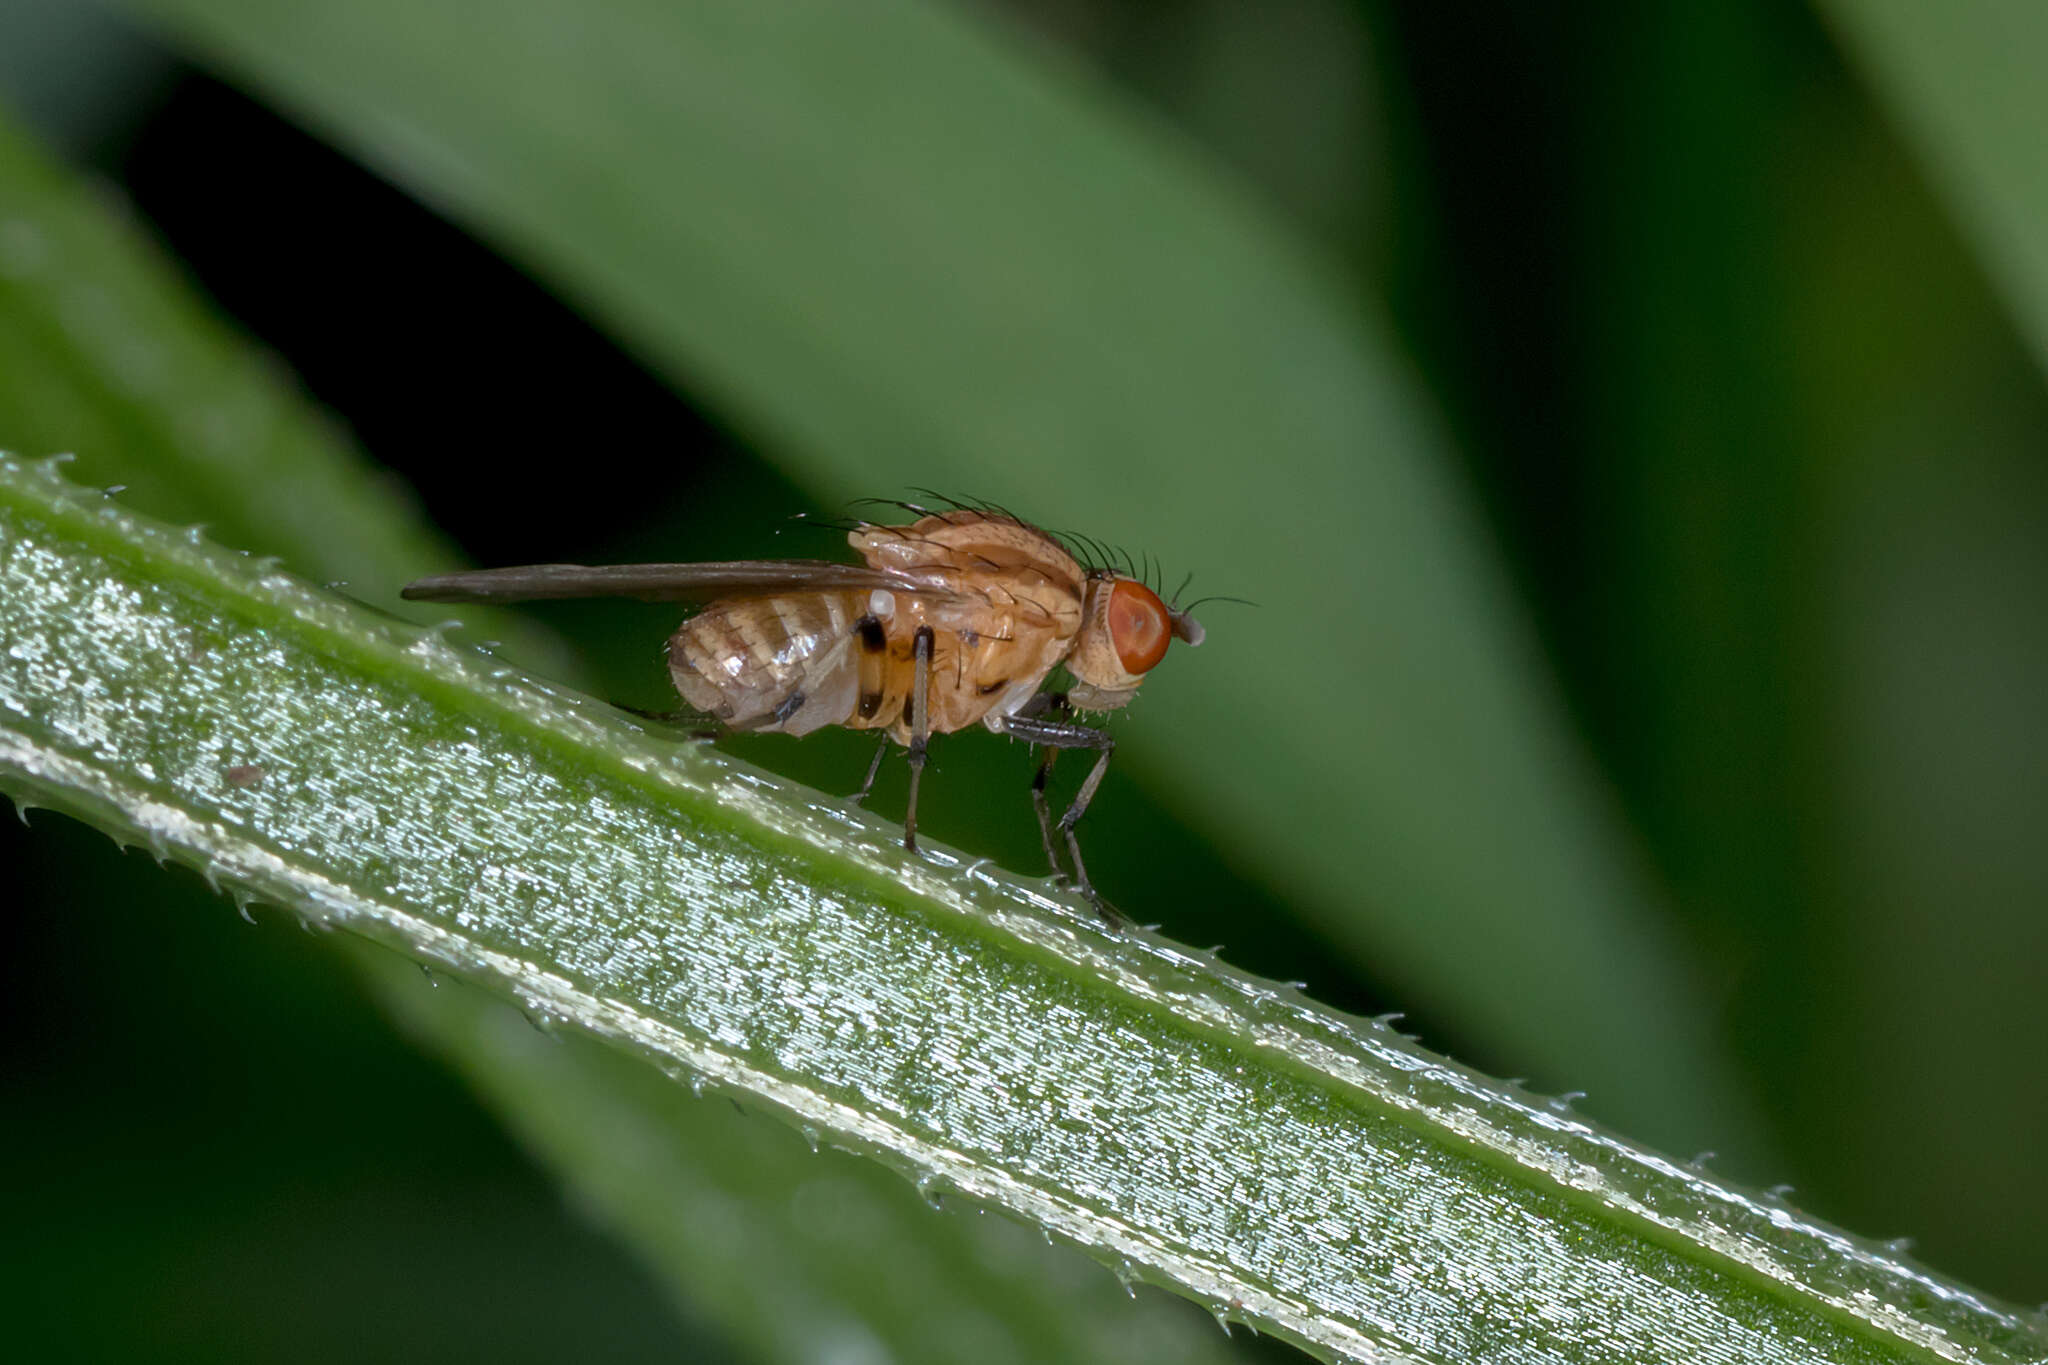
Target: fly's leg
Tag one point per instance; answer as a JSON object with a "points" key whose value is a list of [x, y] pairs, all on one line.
{"points": [[1056, 735], [920, 725], [1043, 807], [874, 766], [1036, 707]]}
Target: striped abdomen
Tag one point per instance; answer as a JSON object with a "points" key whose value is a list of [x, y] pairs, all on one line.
{"points": [[771, 663]]}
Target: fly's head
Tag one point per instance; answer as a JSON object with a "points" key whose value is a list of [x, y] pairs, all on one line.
{"points": [[1125, 629]]}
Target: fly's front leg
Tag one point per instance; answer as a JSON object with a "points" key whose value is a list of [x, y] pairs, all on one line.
{"points": [[920, 725], [1056, 735], [874, 766]]}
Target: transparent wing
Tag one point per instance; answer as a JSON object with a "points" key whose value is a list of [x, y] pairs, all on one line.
{"points": [[739, 578]]}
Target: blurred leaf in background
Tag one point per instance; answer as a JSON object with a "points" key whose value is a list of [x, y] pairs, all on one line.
{"points": [[1736, 382]]}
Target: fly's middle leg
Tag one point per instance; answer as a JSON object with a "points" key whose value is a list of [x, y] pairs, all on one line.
{"points": [[920, 725]]}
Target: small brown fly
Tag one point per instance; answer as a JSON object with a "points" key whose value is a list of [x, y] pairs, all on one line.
{"points": [[959, 617]]}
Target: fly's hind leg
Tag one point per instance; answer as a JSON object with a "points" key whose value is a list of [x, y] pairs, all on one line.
{"points": [[920, 726], [1055, 735]]}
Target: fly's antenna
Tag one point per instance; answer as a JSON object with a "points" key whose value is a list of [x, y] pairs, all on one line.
{"points": [[1185, 626]]}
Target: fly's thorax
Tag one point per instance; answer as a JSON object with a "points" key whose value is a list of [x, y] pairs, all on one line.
{"points": [[1002, 578], [1125, 630], [970, 543]]}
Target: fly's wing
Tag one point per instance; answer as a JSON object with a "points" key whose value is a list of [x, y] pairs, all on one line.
{"points": [[739, 578]]}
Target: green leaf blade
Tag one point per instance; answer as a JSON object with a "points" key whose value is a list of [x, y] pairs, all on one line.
{"points": [[1328, 1183]]}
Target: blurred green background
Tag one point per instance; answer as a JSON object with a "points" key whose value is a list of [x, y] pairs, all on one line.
{"points": [[1719, 325]]}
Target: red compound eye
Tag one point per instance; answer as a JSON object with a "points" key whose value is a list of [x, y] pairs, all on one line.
{"points": [[1140, 627]]}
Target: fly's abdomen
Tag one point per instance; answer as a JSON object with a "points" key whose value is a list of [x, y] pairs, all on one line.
{"points": [[782, 664]]}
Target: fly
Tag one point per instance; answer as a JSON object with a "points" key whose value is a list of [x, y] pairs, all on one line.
{"points": [[957, 618]]}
